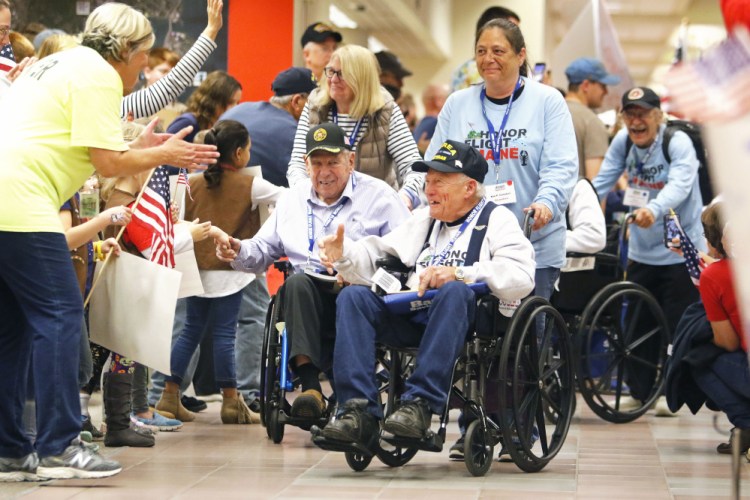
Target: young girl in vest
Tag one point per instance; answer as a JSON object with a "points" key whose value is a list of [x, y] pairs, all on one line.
{"points": [[228, 197], [125, 385]]}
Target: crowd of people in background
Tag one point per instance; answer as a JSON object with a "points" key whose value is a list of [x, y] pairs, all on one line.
{"points": [[348, 168]]}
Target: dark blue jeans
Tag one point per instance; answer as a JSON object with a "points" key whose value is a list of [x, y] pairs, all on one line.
{"points": [[220, 314], [362, 320], [727, 383], [41, 312]]}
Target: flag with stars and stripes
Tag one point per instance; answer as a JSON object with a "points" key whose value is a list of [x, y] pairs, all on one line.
{"points": [[695, 265], [183, 179], [153, 211], [7, 59]]}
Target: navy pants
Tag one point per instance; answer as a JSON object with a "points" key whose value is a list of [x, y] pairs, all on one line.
{"points": [[362, 320], [727, 383], [41, 311]]}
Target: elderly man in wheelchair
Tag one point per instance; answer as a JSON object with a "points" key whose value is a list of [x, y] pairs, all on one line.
{"points": [[458, 239], [310, 210]]}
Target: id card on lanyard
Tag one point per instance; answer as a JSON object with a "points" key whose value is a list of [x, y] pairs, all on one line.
{"points": [[355, 131], [496, 141]]}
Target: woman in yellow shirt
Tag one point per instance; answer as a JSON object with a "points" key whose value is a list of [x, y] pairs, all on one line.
{"points": [[62, 122]]}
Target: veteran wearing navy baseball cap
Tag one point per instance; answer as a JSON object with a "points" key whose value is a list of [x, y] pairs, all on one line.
{"points": [[318, 43]]}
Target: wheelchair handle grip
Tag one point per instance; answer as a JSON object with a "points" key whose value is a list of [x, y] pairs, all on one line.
{"points": [[528, 222]]}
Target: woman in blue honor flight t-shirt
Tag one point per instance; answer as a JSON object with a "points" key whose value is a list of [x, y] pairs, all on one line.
{"points": [[525, 132]]}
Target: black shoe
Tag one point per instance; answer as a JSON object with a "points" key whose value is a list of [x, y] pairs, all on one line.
{"points": [[19, 469], [457, 450], [353, 425], [77, 461], [193, 404], [726, 448], [87, 426], [412, 419]]}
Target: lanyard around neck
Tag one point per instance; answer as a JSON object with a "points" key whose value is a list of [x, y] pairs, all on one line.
{"points": [[439, 259], [495, 145], [311, 225], [355, 130], [639, 164]]}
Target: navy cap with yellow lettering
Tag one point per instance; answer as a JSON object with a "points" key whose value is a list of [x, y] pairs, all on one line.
{"points": [[455, 158]]}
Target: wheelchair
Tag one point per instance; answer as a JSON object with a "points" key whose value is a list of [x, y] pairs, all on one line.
{"points": [[619, 331], [508, 373], [276, 379]]}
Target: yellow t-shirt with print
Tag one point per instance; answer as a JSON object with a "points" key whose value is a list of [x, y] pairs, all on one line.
{"points": [[60, 107]]}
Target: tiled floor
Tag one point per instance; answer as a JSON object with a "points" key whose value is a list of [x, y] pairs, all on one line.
{"points": [[652, 458]]}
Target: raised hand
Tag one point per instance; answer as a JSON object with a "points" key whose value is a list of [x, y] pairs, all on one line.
{"points": [[215, 19], [331, 248], [149, 138]]}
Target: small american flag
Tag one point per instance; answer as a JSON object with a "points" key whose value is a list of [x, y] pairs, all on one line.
{"points": [[183, 179], [7, 59], [153, 211], [695, 265]]}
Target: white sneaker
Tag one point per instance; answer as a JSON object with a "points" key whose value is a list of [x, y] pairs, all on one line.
{"points": [[627, 403], [662, 408]]}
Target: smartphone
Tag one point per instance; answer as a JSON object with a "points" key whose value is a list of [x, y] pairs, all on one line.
{"points": [[539, 70], [671, 230]]}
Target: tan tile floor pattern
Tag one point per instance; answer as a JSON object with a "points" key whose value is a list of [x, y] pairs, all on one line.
{"points": [[652, 458]]}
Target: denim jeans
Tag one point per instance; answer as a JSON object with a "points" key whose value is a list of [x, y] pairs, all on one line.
{"points": [[249, 344], [727, 383], [41, 310], [86, 365], [362, 319], [220, 315], [158, 378]]}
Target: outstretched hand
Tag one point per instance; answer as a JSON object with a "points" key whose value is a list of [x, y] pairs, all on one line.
{"points": [[188, 155], [331, 248], [227, 247]]}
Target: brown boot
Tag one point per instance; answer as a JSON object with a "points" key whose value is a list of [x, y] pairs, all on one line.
{"points": [[235, 411], [170, 402]]}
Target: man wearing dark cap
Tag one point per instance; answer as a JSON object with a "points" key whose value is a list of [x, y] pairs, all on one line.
{"points": [[587, 86], [459, 238], [392, 73], [272, 124], [656, 186], [333, 194], [318, 43]]}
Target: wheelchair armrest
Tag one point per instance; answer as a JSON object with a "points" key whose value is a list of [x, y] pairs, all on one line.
{"points": [[392, 264]]}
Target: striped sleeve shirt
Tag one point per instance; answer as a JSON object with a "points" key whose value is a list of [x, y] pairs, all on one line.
{"points": [[400, 144], [153, 98]]}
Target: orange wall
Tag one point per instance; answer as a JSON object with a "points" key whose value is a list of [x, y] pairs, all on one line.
{"points": [[260, 44]]}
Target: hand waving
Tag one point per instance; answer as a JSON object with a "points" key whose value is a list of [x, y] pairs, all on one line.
{"points": [[331, 248]]}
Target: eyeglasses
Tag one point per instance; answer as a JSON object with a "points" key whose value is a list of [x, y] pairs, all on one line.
{"points": [[330, 73], [4, 32], [632, 114]]}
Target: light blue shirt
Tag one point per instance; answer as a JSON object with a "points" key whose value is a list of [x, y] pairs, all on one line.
{"points": [[670, 185], [539, 154], [370, 207]]}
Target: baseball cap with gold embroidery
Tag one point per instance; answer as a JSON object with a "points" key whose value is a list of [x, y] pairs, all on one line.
{"points": [[319, 33], [326, 137]]}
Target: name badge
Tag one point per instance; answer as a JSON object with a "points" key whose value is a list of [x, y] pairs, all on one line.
{"points": [[501, 194], [635, 197]]}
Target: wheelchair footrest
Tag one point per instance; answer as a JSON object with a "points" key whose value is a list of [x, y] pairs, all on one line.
{"points": [[430, 442], [331, 445]]}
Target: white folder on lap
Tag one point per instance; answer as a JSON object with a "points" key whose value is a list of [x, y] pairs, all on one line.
{"points": [[132, 310]]}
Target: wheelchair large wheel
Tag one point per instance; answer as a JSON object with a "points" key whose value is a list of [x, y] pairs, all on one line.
{"points": [[623, 332], [271, 398], [268, 333], [478, 452], [537, 374]]}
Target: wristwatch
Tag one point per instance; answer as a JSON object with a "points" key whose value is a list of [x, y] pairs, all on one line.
{"points": [[459, 274]]}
